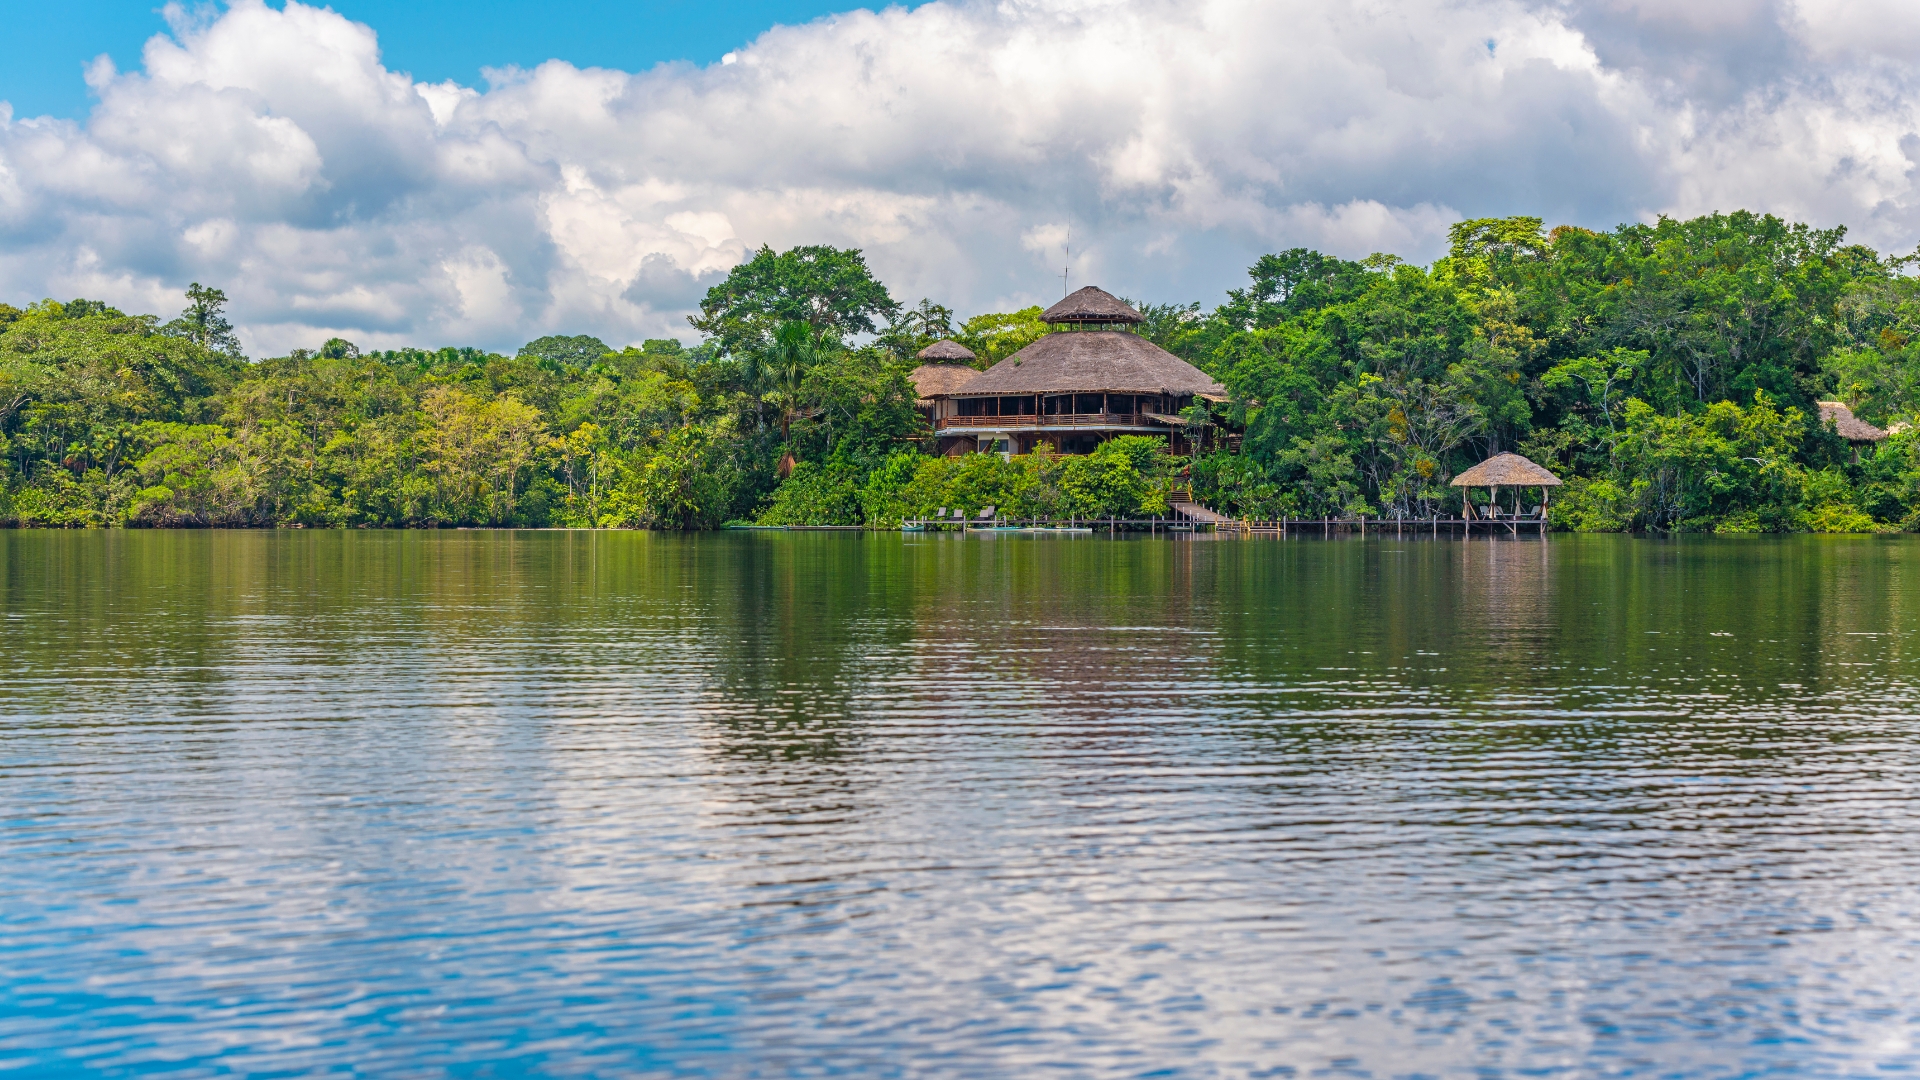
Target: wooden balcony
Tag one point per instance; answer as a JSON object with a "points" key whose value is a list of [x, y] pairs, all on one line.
{"points": [[1041, 422]]}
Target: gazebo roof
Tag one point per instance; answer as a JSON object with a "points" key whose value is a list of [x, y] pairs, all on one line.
{"points": [[1091, 305], [1506, 470], [935, 380], [1850, 427], [1094, 362], [945, 349]]}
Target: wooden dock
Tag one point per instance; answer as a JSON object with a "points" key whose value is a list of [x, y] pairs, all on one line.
{"points": [[1396, 527], [1191, 517]]}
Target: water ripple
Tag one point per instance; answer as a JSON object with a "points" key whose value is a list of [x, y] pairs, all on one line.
{"points": [[757, 805]]}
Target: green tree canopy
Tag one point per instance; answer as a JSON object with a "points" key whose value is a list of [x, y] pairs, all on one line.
{"points": [[1670, 372], [1290, 284], [338, 349], [81, 308], [578, 351], [825, 287], [911, 329], [995, 336]]}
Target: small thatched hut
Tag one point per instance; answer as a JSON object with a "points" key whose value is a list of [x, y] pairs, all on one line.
{"points": [[1507, 471], [1091, 306], [945, 351], [932, 380], [945, 367], [1092, 379], [1851, 428]]}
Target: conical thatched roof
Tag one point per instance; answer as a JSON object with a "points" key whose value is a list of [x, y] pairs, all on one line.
{"points": [[1506, 470], [1091, 305], [945, 349], [1094, 362], [933, 380], [1850, 427]]}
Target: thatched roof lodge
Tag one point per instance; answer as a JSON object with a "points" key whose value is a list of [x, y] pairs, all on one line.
{"points": [[1851, 428], [1096, 361], [1090, 379]]}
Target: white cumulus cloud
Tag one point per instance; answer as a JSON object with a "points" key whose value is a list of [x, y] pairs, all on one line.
{"points": [[272, 153]]}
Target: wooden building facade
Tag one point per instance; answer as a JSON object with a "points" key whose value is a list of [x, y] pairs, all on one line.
{"points": [[1089, 380]]}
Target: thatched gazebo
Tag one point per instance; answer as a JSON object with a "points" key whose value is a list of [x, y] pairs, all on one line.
{"points": [[1506, 471]]}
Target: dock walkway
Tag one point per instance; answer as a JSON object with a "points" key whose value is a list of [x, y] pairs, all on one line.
{"points": [[1198, 514], [1432, 526], [1192, 517]]}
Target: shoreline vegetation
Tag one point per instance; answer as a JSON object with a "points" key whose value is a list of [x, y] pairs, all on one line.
{"points": [[1669, 372]]}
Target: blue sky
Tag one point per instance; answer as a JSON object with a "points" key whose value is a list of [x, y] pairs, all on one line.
{"points": [[349, 171], [432, 39]]}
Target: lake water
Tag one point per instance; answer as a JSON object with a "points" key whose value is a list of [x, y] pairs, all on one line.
{"points": [[747, 804]]}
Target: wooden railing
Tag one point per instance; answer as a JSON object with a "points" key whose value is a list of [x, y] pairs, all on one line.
{"points": [[1045, 420]]}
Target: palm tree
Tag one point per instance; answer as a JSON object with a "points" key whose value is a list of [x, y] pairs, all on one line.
{"points": [[797, 349]]}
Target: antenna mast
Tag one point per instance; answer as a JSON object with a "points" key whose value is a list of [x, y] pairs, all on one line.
{"points": [[1066, 272]]}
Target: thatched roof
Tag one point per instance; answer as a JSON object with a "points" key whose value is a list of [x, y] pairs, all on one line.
{"points": [[932, 380], [1506, 470], [945, 349], [1095, 362], [1091, 305], [1850, 427]]}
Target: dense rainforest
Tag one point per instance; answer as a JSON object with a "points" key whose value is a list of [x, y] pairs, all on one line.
{"points": [[1669, 371]]}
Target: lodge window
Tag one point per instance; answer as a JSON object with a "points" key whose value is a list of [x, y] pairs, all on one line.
{"points": [[1078, 404]]}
